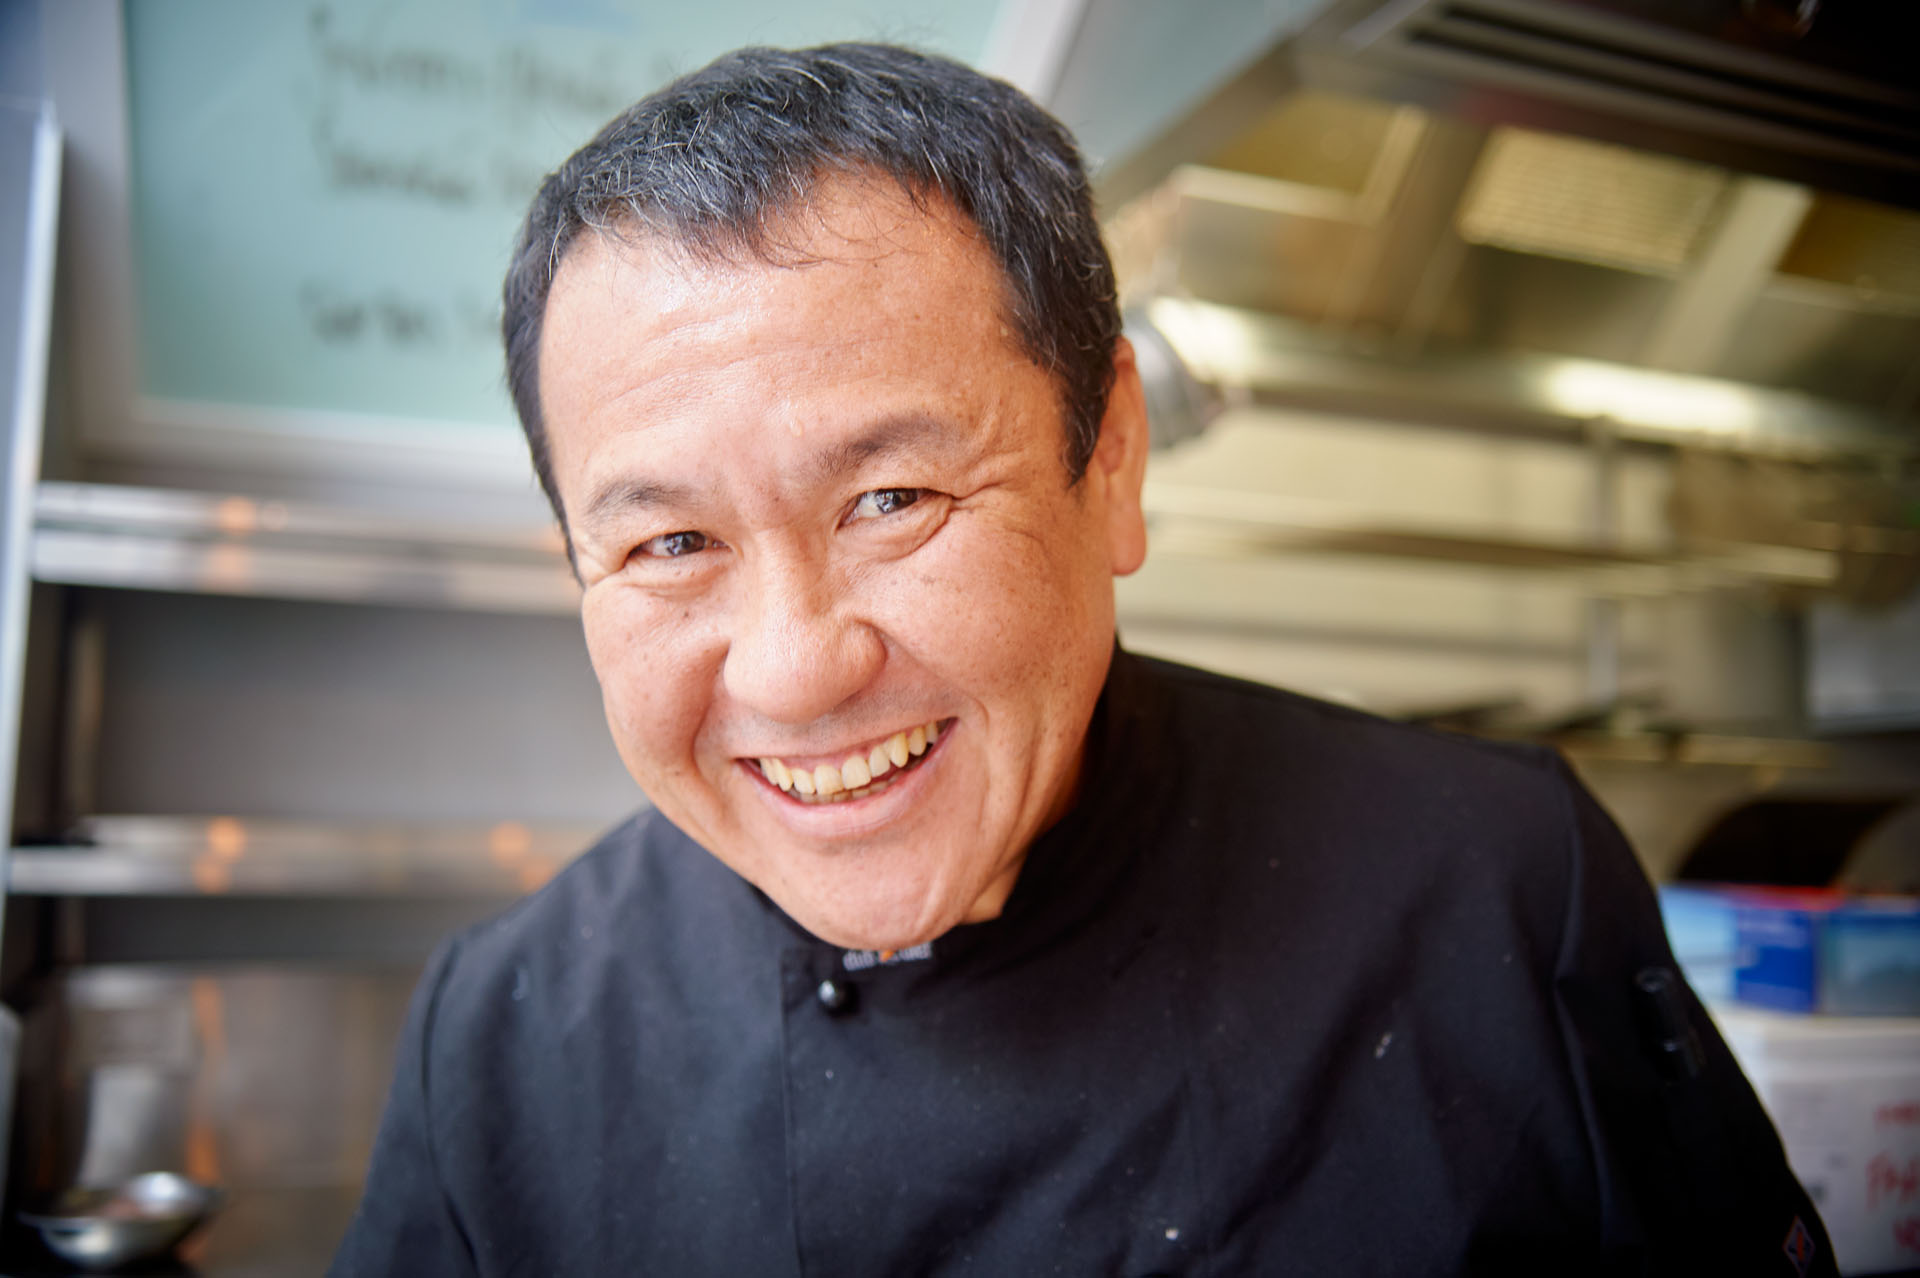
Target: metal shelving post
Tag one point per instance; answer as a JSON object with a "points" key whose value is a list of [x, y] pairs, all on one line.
{"points": [[29, 208]]}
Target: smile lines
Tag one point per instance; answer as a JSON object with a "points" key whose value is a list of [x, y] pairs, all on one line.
{"points": [[858, 775]]}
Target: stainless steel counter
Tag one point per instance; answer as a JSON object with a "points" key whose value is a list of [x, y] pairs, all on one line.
{"points": [[265, 1078], [261, 1233]]}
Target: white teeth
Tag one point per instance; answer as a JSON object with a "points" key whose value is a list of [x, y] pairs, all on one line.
{"points": [[897, 749], [854, 772], [877, 761], [933, 732], [826, 780], [917, 742], [777, 773], [803, 781]]}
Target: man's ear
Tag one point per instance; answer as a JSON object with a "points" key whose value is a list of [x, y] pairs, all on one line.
{"points": [[1119, 463]]}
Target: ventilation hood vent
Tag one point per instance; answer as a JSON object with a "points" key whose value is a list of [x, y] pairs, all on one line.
{"points": [[1811, 92], [1726, 191]]}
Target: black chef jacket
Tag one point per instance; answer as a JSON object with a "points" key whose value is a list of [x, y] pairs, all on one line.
{"points": [[1292, 990]]}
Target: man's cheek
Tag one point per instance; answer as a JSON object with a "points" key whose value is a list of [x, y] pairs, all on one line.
{"points": [[965, 579], [644, 683], [631, 638]]}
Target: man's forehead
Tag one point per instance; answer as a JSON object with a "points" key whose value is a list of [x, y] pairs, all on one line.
{"points": [[850, 218], [856, 220], [665, 292]]}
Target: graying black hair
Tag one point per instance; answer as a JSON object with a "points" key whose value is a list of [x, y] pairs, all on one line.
{"points": [[709, 162]]}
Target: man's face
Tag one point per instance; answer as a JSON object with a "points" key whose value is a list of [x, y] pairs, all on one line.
{"points": [[820, 512]]}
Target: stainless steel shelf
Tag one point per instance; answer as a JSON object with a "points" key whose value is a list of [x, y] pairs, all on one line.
{"points": [[160, 539], [228, 856], [1288, 362], [1217, 522]]}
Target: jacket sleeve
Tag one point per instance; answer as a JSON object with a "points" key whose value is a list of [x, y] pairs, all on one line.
{"points": [[405, 1224], [1692, 1177]]}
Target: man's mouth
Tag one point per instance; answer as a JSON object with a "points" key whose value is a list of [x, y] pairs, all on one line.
{"points": [[859, 774]]}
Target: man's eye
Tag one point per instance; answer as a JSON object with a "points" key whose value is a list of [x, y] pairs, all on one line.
{"points": [[885, 501], [674, 545]]}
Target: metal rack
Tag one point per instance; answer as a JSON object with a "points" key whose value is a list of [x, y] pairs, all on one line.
{"points": [[248, 857], [207, 543]]}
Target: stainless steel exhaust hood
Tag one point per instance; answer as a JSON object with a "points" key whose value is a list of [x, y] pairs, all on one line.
{"points": [[1603, 200], [1687, 225], [1817, 93]]}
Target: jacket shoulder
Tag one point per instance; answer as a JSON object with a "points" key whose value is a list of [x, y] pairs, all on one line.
{"points": [[1284, 709], [628, 908], [1289, 735], [583, 892]]}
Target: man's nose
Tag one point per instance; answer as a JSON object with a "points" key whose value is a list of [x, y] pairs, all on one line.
{"points": [[795, 651]]}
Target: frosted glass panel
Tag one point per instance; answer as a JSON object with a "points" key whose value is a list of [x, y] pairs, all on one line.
{"points": [[325, 193]]}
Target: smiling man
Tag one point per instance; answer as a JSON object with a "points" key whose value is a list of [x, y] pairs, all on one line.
{"points": [[850, 610], [957, 940]]}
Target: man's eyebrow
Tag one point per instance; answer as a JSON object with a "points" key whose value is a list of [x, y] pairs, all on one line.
{"points": [[619, 496], [884, 437]]}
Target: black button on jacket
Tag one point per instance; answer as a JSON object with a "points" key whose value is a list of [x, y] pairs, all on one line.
{"points": [[1291, 991]]}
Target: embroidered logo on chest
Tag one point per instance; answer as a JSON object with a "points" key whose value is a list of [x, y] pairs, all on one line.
{"points": [[861, 960]]}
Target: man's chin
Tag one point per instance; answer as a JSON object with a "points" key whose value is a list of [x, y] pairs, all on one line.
{"points": [[851, 931], [866, 920], [883, 892]]}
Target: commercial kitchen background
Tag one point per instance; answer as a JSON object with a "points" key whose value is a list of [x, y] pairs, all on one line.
{"points": [[1548, 370]]}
